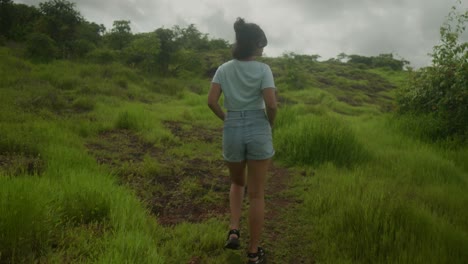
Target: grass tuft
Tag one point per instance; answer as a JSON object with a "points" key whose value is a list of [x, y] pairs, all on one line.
{"points": [[127, 120], [315, 140]]}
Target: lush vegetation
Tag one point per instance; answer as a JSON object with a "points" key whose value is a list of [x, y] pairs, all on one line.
{"points": [[438, 95], [105, 135]]}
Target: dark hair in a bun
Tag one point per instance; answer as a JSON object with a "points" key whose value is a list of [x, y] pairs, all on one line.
{"points": [[249, 38], [240, 22]]}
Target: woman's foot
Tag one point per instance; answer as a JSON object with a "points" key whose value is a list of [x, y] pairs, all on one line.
{"points": [[257, 257], [233, 239]]}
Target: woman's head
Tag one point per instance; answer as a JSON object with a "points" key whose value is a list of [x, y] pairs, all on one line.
{"points": [[250, 38]]}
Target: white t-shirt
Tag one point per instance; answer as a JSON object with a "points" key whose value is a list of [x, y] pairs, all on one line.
{"points": [[242, 83]]}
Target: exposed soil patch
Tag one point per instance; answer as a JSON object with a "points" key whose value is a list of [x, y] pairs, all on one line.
{"points": [[194, 193], [15, 164], [194, 132], [115, 147], [176, 189]]}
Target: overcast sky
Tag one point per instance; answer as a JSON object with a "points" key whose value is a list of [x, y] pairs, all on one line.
{"points": [[406, 28]]}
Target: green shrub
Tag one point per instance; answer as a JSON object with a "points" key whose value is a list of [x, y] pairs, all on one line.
{"points": [[82, 47], [102, 56], [42, 47], [316, 140], [441, 91], [428, 127]]}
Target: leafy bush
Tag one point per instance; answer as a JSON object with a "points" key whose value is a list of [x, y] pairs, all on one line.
{"points": [[102, 56], [82, 47], [142, 51], [42, 47], [441, 91]]}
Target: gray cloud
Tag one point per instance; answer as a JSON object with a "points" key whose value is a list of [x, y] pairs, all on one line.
{"points": [[408, 28]]}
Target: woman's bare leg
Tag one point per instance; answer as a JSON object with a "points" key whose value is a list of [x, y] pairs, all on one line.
{"points": [[236, 193], [256, 178]]}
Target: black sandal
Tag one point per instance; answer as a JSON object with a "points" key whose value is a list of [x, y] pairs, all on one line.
{"points": [[233, 243], [259, 256]]}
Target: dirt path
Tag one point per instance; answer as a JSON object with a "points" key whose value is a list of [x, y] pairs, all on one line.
{"points": [[277, 205], [190, 188]]}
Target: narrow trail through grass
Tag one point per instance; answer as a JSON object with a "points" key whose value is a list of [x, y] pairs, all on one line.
{"points": [[188, 187], [179, 188], [279, 237]]}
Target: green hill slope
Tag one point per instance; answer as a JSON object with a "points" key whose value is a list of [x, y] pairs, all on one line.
{"points": [[104, 163]]}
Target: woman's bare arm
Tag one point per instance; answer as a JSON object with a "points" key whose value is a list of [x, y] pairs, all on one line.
{"points": [[213, 100], [269, 95]]}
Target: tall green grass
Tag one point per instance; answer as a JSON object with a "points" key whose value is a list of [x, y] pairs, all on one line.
{"points": [[316, 140], [27, 221], [74, 211], [406, 205]]}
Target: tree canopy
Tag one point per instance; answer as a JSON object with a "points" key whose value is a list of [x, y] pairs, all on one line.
{"points": [[62, 32]]}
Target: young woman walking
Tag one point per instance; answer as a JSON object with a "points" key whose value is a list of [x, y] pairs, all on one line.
{"points": [[250, 100]]}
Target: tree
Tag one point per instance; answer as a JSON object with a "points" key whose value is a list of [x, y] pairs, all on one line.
{"points": [[120, 35], [383, 60], [60, 21], [41, 47], [91, 32], [6, 10], [17, 20], [88, 37], [216, 44], [441, 90], [387, 60], [191, 38], [168, 45], [181, 48], [342, 57], [143, 51]]}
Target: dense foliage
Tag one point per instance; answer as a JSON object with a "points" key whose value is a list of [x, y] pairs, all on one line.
{"points": [[56, 30], [438, 95]]}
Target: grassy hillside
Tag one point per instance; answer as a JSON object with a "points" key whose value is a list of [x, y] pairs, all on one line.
{"points": [[101, 163]]}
